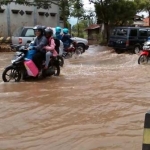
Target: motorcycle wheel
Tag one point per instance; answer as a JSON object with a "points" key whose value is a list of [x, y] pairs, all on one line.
{"points": [[11, 73], [56, 70], [67, 55], [143, 59], [81, 48], [61, 61], [77, 53]]}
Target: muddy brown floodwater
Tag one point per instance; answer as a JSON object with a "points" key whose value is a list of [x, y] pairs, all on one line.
{"points": [[97, 103]]}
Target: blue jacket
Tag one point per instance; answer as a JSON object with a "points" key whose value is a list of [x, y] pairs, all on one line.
{"points": [[66, 39], [58, 36]]}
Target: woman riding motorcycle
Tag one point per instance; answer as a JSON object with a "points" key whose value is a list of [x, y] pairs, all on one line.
{"points": [[50, 48], [38, 45]]}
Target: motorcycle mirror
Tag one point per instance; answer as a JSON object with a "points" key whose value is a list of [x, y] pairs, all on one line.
{"points": [[28, 41]]}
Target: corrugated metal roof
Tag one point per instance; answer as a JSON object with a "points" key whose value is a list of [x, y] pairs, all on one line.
{"points": [[93, 26]]}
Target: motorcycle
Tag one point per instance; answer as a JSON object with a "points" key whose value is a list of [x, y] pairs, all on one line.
{"points": [[145, 54], [69, 52], [17, 70]]}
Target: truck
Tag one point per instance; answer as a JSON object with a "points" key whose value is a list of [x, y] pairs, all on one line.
{"points": [[26, 33]]}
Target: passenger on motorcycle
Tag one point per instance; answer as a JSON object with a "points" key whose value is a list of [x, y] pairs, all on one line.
{"points": [[38, 45], [50, 48], [57, 37], [58, 34], [66, 38]]}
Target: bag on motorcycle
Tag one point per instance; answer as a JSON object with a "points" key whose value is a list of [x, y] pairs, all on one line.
{"points": [[31, 68], [30, 54]]}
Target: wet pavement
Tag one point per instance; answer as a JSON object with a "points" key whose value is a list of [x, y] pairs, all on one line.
{"points": [[97, 103]]}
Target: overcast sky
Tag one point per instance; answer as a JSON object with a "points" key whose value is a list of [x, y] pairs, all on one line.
{"points": [[87, 6]]}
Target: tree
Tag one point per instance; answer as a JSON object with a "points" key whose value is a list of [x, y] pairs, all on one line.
{"points": [[65, 11], [46, 4], [144, 5], [114, 12], [77, 11], [82, 24], [90, 17]]}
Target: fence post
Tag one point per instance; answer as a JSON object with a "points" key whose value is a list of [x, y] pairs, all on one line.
{"points": [[146, 134]]}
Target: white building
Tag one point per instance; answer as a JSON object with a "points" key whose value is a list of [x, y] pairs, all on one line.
{"points": [[14, 16]]}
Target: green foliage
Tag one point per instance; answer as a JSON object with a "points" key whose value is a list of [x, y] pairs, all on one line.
{"points": [[115, 12], [83, 24]]}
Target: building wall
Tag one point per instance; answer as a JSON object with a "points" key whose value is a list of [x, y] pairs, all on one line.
{"points": [[93, 36], [146, 21], [9, 21]]}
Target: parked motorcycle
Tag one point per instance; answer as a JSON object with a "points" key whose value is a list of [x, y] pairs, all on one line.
{"points": [[72, 50], [145, 54], [17, 69]]}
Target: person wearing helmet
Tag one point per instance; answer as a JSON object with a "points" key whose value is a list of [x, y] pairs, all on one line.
{"points": [[50, 48], [43, 27], [57, 37], [38, 45], [66, 38], [58, 33]]}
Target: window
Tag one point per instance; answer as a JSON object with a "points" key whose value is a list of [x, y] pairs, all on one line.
{"points": [[17, 32], [133, 32], [29, 33], [122, 32], [142, 32], [114, 32]]}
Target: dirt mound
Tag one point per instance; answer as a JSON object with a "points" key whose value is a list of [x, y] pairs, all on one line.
{"points": [[5, 48]]}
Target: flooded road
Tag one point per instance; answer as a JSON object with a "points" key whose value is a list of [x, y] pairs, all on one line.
{"points": [[97, 103]]}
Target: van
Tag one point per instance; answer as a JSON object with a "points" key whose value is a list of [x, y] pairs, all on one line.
{"points": [[128, 39]]}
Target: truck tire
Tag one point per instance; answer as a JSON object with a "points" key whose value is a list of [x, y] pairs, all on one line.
{"points": [[82, 47], [136, 49]]}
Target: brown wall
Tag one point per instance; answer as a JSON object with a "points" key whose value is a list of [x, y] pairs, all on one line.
{"points": [[93, 36]]}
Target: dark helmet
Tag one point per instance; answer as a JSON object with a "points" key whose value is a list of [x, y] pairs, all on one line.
{"points": [[49, 31], [38, 27], [44, 27]]}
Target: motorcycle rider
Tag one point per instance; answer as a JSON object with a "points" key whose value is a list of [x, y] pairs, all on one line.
{"points": [[66, 38], [58, 34], [57, 37], [50, 48], [38, 45]]}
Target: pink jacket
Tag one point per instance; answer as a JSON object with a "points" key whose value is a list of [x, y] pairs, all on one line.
{"points": [[51, 47]]}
